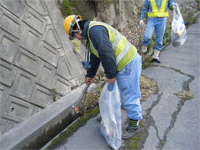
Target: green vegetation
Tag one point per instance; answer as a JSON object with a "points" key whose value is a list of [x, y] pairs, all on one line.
{"points": [[136, 141], [108, 1], [152, 42], [140, 42], [146, 57], [166, 38], [54, 92], [148, 63], [76, 44], [102, 75], [90, 100], [167, 35], [74, 2], [188, 17], [118, 9], [88, 110], [74, 127], [198, 2], [67, 8]]}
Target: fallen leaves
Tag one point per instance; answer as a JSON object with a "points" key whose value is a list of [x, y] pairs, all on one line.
{"points": [[147, 87]]}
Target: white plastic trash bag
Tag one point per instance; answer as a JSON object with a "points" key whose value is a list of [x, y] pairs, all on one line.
{"points": [[178, 32], [110, 110]]}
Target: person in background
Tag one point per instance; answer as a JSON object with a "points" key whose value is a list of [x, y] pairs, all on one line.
{"points": [[157, 11], [120, 61]]}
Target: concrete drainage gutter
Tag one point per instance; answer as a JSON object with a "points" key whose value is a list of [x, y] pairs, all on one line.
{"points": [[39, 129]]}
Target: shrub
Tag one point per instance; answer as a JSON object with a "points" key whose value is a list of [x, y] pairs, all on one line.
{"points": [[67, 8], [188, 17]]}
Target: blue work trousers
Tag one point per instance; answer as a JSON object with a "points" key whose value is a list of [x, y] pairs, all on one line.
{"points": [[128, 82], [159, 25]]}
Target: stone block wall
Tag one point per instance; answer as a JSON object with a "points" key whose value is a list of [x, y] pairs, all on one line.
{"points": [[35, 56]]}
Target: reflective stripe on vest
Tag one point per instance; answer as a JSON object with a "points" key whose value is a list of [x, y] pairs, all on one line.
{"points": [[158, 13], [124, 50]]}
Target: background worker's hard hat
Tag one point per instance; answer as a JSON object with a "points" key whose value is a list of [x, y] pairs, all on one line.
{"points": [[69, 24]]}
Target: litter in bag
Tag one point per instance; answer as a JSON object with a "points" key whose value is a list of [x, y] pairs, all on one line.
{"points": [[110, 110], [178, 32]]}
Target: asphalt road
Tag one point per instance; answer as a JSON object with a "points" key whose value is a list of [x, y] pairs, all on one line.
{"points": [[174, 121]]}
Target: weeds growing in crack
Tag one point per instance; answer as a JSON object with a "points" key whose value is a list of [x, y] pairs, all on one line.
{"points": [[184, 94]]}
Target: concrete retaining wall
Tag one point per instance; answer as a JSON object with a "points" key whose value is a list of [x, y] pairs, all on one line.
{"points": [[35, 56]]}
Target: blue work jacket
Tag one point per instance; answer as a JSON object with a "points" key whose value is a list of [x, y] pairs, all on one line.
{"points": [[100, 39]]}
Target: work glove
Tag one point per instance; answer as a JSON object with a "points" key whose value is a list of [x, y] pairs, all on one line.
{"points": [[86, 65], [111, 86], [141, 22]]}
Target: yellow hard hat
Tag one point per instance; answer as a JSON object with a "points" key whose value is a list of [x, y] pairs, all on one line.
{"points": [[69, 24]]}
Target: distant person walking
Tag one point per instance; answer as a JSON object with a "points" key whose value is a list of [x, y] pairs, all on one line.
{"points": [[157, 11]]}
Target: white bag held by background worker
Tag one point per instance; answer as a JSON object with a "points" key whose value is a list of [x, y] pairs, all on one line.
{"points": [[110, 110], [178, 32]]}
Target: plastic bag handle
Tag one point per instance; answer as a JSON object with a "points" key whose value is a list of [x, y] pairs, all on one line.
{"points": [[177, 13]]}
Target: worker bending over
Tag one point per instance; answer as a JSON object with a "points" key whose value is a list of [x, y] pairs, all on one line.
{"points": [[120, 61]]}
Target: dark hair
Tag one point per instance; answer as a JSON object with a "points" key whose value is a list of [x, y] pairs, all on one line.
{"points": [[81, 24]]}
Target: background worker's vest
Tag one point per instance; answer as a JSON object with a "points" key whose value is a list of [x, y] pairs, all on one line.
{"points": [[124, 50], [158, 13]]}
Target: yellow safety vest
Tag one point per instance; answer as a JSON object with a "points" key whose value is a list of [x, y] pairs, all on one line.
{"points": [[158, 13], [123, 49]]}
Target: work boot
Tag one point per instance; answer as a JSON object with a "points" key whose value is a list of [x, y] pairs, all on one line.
{"points": [[155, 56], [144, 49], [132, 129]]}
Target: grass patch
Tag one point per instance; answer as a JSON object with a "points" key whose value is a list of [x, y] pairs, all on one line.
{"points": [[184, 94], [67, 8], [152, 43], [147, 63], [188, 17], [136, 141], [167, 36]]}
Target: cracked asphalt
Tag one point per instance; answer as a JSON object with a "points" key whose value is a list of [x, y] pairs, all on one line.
{"points": [[171, 122]]}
